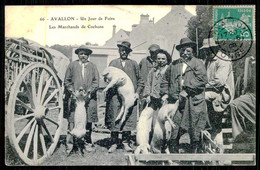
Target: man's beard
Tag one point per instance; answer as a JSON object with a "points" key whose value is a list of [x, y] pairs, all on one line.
{"points": [[84, 60], [123, 55], [186, 57]]}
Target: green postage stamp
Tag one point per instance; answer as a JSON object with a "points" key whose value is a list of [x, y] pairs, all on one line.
{"points": [[234, 29], [234, 18]]}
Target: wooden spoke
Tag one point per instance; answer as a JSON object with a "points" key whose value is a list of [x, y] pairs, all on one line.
{"points": [[35, 143], [52, 121], [50, 97], [12, 72], [42, 141], [16, 69], [33, 83], [26, 112], [29, 140], [47, 131], [23, 117], [24, 105], [54, 108], [48, 82], [40, 86], [19, 137]]}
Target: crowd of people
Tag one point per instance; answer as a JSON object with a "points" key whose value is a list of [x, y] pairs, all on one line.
{"points": [[203, 88]]}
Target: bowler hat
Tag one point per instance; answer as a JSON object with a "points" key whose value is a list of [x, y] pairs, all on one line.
{"points": [[208, 42], [185, 42], [154, 47], [83, 48], [125, 44]]}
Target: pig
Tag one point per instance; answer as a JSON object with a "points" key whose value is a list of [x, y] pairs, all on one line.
{"points": [[163, 127], [80, 116], [125, 88]]}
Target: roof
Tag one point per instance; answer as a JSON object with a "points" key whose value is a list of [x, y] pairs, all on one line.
{"points": [[127, 32]]}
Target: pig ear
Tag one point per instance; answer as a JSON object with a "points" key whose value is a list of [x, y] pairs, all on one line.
{"points": [[121, 81]]}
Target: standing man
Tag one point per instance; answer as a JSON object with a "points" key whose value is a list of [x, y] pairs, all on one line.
{"points": [[220, 87], [146, 64], [82, 74], [131, 68], [185, 80], [153, 98]]}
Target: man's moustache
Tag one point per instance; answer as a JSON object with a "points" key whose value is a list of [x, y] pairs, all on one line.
{"points": [[123, 53]]}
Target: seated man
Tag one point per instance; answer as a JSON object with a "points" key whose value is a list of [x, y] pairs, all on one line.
{"points": [[220, 87]]}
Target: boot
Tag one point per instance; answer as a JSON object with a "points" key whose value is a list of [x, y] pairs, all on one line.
{"points": [[70, 140], [114, 142], [88, 141], [126, 136], [195, 148]]}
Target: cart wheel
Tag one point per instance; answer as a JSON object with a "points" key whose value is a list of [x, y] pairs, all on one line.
{"points": [[35, 130]]}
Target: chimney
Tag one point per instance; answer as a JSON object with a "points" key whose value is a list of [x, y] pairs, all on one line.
{"points": [[144, 19], [114, 30], [151, 21]]}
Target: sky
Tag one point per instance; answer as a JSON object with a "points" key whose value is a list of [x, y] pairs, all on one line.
{"points": [[25, 21]]}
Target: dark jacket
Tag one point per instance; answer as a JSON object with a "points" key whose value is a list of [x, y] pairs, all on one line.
{"points": [[192, 113], [146, 64], [114, 102], [73, 80]]}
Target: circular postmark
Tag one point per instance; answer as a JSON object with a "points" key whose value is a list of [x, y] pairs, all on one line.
{"points": [[234, 38]]}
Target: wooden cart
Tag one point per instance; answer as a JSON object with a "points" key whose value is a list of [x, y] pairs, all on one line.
{"points": [[34, 104]]}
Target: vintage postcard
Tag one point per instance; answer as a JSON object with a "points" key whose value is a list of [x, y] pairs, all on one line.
{"points": [[130, 85]]}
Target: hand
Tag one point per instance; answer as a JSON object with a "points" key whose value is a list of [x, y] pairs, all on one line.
{"points": [[105, 90], [165, 97], [70, 90], [88, 95], [148, 99], [183, 93], [137, 95]]}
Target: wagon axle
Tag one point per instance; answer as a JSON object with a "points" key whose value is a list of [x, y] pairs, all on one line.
{"points": [[40, 112]]}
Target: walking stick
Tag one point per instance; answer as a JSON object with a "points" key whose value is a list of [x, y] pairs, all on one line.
{"points": [[197, 41], [173, 49], [139, 44]]}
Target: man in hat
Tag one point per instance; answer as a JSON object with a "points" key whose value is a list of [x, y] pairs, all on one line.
{"points": [[113, 100], [82, 74], [185, 80], [220, 87], [146, 64]]}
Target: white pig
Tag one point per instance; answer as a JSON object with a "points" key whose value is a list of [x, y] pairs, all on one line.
{"points": [[125, 89], [163, 127], [80, 116]]}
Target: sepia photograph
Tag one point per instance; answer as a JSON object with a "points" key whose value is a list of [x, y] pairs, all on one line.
{"points": [[130, 85]]}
